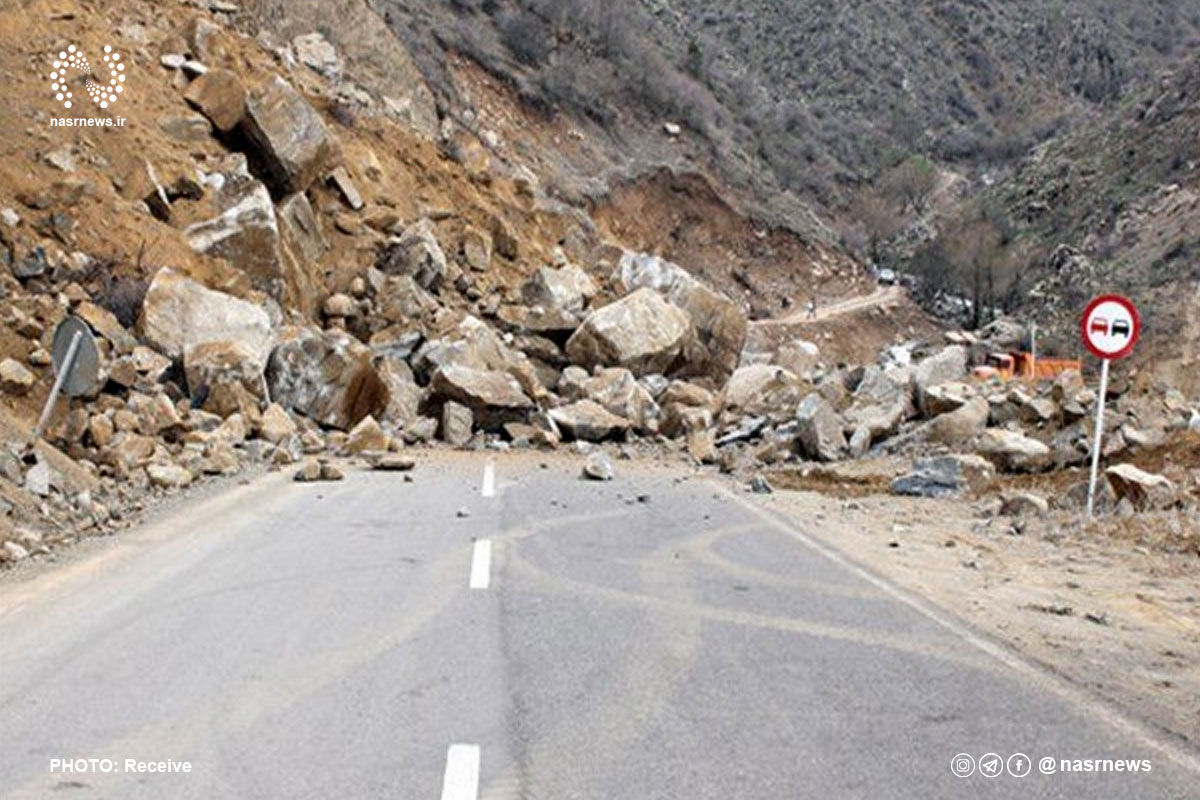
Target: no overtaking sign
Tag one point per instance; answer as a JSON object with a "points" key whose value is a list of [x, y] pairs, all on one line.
{"points": [[1111, 327]]}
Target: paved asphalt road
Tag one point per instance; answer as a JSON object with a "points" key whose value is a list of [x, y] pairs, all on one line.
{"points": [[324, 641]]}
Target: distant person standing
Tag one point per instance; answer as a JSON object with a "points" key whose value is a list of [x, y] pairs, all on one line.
{"points": [[812, 307]]}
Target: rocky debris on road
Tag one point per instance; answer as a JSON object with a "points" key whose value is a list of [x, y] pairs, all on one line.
{"points": [[599, 467], [315, 471], [328, 376], [393, 462], [326, 297]]}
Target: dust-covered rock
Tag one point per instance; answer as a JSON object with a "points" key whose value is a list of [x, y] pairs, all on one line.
{"points": [[641, 332], [288, 137], [819, 432], [1013, 452], [494, 397], [1144, 490], [179, 314], [415, 254], [327, 376], [720, 324], [599, 467], [458, 424], [15, 378], [589, 421], [225, 378]]}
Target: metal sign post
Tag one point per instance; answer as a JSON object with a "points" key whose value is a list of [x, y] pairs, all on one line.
{"points": [[1111, 327], [76, 366], [1096, 444]]}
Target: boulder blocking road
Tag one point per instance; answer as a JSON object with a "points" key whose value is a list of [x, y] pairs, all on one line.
{"points": [[507, 630]]}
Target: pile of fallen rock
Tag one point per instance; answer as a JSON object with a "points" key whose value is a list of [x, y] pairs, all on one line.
{"points": [[271, 365]]}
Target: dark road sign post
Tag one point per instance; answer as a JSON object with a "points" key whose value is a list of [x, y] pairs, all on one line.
{"points": [[76, 366]]}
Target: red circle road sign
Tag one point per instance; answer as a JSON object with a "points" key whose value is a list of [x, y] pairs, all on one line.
{"points": [[1111, 326]]}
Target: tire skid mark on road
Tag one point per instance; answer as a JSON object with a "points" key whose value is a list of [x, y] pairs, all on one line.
{"points": [[1004, 660], [937, 647], [700, 548], [530, 529], [642, 684]]}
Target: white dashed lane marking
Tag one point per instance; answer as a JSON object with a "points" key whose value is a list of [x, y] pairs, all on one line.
{"points": [[481, 565], [462, 773], [489, 479]]}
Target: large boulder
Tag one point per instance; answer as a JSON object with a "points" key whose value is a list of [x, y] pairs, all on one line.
{"points": [[641, 332], [225, 378], [799, 357], [961, 426], [721, 327], [179, 314], [819, 431], [566, 290], [219, 95], [417, 254], [494, 397], [620, 393], [404, 395], [289, 141], [589, 421], [944, 476], [950, 364], [1013, 452], [763, 390], [882, 402], [243, 229], [327, 376], [1145, 490], [471, 343]]}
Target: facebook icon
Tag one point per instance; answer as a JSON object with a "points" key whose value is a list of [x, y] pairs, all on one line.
{"points": [[1019, 765]]}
